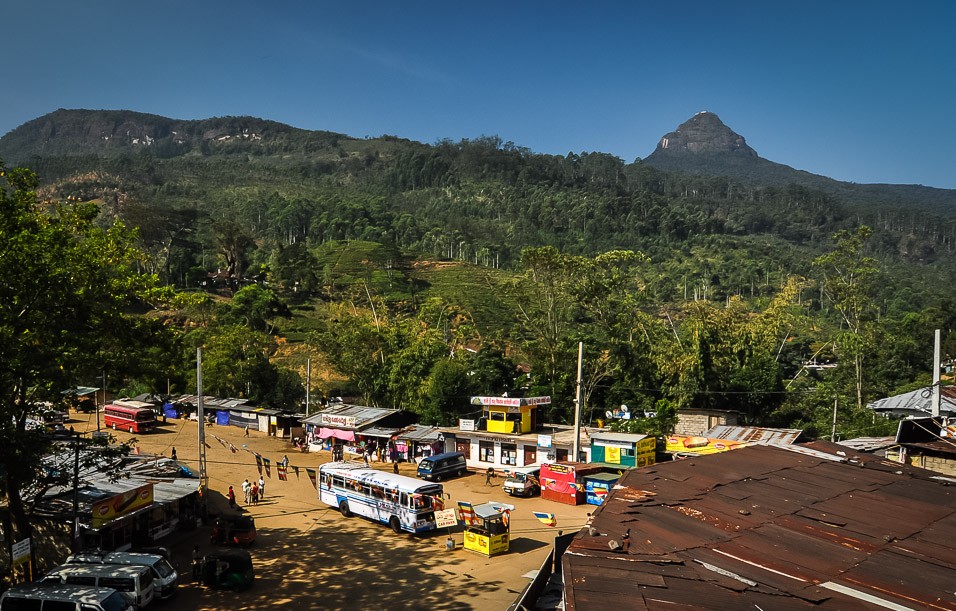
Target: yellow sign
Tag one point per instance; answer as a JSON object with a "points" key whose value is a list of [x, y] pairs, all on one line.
{"points": [[612, 455], [701, 445], [121, 504]]}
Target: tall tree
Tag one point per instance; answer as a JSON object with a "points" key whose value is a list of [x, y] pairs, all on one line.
{"points": [[66, 288], [848, 281]]}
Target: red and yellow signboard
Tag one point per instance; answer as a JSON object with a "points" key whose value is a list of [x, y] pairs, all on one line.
{"points": [[701, 445], [121, 504]]}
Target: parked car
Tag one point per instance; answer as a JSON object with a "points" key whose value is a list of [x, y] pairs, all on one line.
{"points": [[228, 570], [523, 481], [442, 466]]}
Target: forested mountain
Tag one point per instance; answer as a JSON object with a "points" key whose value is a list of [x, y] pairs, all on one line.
{"points": [[678, 269]]}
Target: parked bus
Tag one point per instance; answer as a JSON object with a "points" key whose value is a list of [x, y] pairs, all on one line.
{"points": [[132, 419], [404, 503]]}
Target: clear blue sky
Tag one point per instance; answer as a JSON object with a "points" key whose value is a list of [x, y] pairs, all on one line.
{"points": [[858, 91]]}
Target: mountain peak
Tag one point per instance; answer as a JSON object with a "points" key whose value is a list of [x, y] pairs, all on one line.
{"points": [[704, 133]]}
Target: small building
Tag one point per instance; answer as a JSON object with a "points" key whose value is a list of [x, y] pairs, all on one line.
{"points": [[625, 449], [695, 422], [929, 443], [419, 441], [510, 414], [503, 451], [352, 427]]}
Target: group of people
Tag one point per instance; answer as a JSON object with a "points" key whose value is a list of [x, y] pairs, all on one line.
{"points": [[253, 492]]}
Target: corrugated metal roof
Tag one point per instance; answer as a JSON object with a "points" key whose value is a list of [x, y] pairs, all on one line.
{"points": [[754, 434], [420, 434], [611, 436], [364, 416], [917, 402], [768, 527], [869, 444]]}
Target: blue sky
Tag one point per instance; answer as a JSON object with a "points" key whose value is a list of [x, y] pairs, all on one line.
{"points": [[858, 91]]}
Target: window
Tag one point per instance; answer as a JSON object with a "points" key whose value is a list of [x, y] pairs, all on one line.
{"points": [[81, 580], [486, 451], [123, 584], [509, 454], [59, 605], [13, 603]]}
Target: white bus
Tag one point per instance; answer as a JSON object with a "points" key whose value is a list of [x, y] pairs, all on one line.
{"points": [[404, 503]]}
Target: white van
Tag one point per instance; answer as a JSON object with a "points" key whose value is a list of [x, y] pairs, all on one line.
{"points": [[56, 597], [523, 481], [164, 575], [133, 582]]}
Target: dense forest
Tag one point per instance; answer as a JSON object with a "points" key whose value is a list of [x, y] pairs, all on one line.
{"points": [[414, 275]]}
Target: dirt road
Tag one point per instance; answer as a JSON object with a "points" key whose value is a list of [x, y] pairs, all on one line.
{"points": [[308, 556]]}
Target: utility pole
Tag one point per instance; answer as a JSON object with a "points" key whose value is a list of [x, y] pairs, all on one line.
{"points": [[937, 348], [74, 542], [203, 477], [308, 382], [577, 407], [833, 431]]}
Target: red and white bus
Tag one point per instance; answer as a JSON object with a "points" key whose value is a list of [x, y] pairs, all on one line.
{"points": [[129, 418]]}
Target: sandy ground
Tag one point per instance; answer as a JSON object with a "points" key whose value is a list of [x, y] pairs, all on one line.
{"points": [[308, 556]]}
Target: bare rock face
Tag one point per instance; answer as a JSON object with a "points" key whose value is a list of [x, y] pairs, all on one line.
{"points": [[704, 133]]}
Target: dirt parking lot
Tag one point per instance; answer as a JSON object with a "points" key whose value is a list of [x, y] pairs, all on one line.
{"points": [[308, 556]]}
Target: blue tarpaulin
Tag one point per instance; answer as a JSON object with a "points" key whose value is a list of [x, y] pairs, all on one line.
{"points": [[222, 418], [170, 410]]}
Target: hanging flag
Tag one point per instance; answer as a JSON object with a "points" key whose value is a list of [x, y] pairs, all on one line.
{"points": [[506, 517], [545, 518], [258, 462], [311, 474], [467, 513], [268, 471], [233, 448], [280, 469]]}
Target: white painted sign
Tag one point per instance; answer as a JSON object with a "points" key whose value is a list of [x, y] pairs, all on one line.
{"points": [[466, 425], [544, 441], [347, 422], [446, 518], [21, 551]]}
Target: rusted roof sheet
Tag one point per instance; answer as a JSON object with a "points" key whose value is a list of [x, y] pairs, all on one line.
{"points": [[764, 527]]}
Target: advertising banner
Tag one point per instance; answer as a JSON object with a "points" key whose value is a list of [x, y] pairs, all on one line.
{"points": [[121, 504], [701, 445]]}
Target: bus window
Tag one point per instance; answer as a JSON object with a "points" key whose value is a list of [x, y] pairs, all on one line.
{"points": [[404, 500]]}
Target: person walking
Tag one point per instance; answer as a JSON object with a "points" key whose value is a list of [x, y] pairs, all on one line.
{"points": [[262, 488], [285, 461], [247, 491], [255, 493], [490, 473], [247, 431], [174, 453], [197, 563], [232, 497]]}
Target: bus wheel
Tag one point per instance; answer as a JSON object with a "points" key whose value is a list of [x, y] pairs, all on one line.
{"points": [[395, 524], [344, 509]]}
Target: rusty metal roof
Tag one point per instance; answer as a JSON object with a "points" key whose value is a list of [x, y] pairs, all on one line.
{"points": [[765, 527]]}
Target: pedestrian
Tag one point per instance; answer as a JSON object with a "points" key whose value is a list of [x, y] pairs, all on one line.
{"points": [[365, 456], [285, 461], [395, 466], [490, 473], [197, 563], [255, 493], [262, 488], [232, 497], [247, 431], [174, 453], [247, 491]]}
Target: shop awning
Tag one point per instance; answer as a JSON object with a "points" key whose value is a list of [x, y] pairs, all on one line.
{"points": [[325, 433]]}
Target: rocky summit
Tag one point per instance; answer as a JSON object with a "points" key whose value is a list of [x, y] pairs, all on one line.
{"points": [[704, 133]]}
